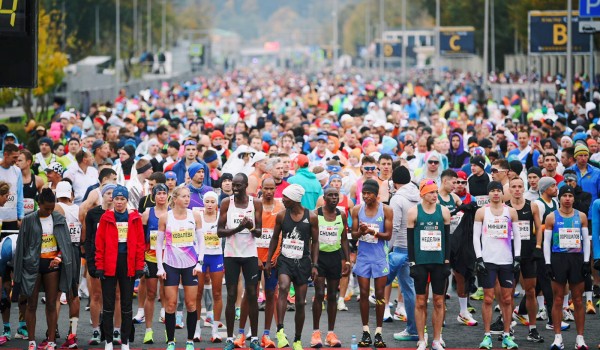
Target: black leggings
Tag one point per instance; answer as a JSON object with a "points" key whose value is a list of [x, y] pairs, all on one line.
{"points": [[544, 285], [109, 290]]}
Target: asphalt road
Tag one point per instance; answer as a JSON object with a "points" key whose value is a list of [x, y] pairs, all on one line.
{"points": [[348, 323]]}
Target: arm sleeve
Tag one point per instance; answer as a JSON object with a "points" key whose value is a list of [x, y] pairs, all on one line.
{"points": [[516, 239], [200, 244], [160, 237], [447, 240], [410, 239], [20, 205], [477, 230], [585, 232], [596, 228], [547, 243]]}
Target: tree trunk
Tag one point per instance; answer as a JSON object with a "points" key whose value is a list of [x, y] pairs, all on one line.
{"points": [[25, 99]]}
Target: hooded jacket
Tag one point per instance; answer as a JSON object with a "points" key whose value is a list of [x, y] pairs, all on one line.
{"points": [[180, 169], [29, 247], [458, 158], [405, 198], [312, 187]]}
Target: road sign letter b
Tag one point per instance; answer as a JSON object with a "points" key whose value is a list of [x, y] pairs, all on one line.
{"points": [[559, 34]]}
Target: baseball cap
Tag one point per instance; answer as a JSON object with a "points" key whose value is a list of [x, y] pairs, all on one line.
{"points": [[302, 160], [54, 166], [217, 134], [259, 156], [63, 190], [97, 144]]}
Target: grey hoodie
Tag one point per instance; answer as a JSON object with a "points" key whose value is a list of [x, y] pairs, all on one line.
{"points": [[405, 198]]}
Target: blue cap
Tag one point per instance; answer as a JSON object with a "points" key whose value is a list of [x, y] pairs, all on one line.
{"points": [[171, 175], [194, 168], [120, 191], [46, 140], [77, 130]]}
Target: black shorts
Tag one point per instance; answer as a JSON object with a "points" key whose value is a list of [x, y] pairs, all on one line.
{"points": [[330, 264], [353, 244], [44, 267], [527, 247], [248, 266], [461, 266], [566, 267], [297, 270], [174, 275], [9, 226], [433, 273], [77, 264], [505, 275], [152, 269], [528, 268]]}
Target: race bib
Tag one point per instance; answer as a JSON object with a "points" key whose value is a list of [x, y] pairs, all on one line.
{"points": [[49, 244], [498, 228], [328, 235], [211, 240], [483, 200], [431, 240], [237, 220], [292, 248], [455, 221], [75, 232], [265, 238], [524, 230], [12, 201], [569, 238], [28, 205], [183, 238], [122, 231], [369, 238]]}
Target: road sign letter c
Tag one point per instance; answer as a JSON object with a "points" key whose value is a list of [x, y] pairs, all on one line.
{"points": [[453, 39]]}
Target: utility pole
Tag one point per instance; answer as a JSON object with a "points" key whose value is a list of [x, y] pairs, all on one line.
{"points": [[335, 35], [149, 25], [163, 35], [367, 31], [486, 39], [118, 46], [569, 52], [135, 27], [97, 28], [381, 30], [436, 55], [493, 40], [404, 72]]}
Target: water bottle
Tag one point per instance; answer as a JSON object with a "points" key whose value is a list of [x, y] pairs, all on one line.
{"points": [[354, 343]]}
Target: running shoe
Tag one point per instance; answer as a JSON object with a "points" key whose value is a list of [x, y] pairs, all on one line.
{"points": [[497, 327], [297, 345], [522, 319], [261, 297], [399, 316], [70, 343], [556, 346], [51, 346], [478, 295], [3, 340], [568, 315], [240, 341], [332, 340], [378, 342], [542, 314], [291, 306], [509, 343], [63, 299], [216, 338], [365, 341], [421, 345], [179, 321], [582, 346], [315, 340], [534, 336], [262, 305], [6, 332], [255, 345], [139, 320], [387, 315], [116, 337], [486, 343], [237, 313], [466, 319], [266, 342], [32, 346], [149, 337], [405, 336], [341, 305], [589, 308], [197, 335], [171, 346], [348, 295], [43, 345], [95, 339], [229, 345], [497, 308], [189, 345], [282, 341], [372, 299], [436, 345], [22, 333], [563, 326], [470, 308]]}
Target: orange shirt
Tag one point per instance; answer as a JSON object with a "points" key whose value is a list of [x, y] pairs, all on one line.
{"points": [[268, 224]]}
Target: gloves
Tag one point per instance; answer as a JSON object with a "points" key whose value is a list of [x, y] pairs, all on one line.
{"points": [[413, 270], [160, 271], [597, 264], [198, 269], [480, 267], [549, 272], [586, 269], [517, 266], [538, 254], [139, 274], [100, 274], [447, 270]]}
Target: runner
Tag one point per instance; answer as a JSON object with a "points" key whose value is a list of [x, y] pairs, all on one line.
{"points": [[567, 252], [240, 223], [493, 233], [372, 224], [119, 257], [32, 184], [44, 258], [428, 255], [299, 230], [331, 266], [181, 231]]}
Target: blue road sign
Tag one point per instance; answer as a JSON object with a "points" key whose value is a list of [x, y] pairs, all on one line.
{"points": [[589, 8]]}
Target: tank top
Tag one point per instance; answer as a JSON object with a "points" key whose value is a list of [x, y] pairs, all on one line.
{"points": [[497, 235], [30, 195], [241, 244], [450, 204], [268, 224], [369, 246], [566, 233], [525, 227], [151, 236], [295, 236], [548, 209], [429, 242], [330, 232], [180, 235], [212, 242], [73, 223], [49, 245]]}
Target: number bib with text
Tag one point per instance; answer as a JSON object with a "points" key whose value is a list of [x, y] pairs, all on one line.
{"points": [[122, 228], [328, 234], [524, 230], [265, 238], [483, 200], [369, 238], [211, 240], [569, 238], [498, 228], [431, 240], [49, 244], [153, 239], [292, 248], [183, 238], [28, 205], [75, 232]]}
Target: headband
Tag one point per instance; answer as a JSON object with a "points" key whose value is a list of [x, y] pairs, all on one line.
{"points": [[144, 168]]}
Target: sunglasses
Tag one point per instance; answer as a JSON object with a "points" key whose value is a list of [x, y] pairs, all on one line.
{"points": [[370, 168], [496, 171], [461, 182], [189, 143], [433, 162]]}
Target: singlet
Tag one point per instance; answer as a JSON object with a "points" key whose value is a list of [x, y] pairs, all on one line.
{"points": [[330, 232], [450, 204], [429, 242], [295, 236], [212, 242], [496, 240], [370, 247], [525, 226], [30, 195], [566, 233], [73, 223], [151, 236], [547, 209], [180, 248], [49, 245], [268, 224], [241, 244]]}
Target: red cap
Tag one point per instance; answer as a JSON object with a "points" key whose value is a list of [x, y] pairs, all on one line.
{"points": [[461, 174], [209, 126], [216, 134], [302, 160], [100, 121]]}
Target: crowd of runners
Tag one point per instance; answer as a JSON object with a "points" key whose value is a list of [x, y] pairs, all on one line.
{"points": [[271, 183]]}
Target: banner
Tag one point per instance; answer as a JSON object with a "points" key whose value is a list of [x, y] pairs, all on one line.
{"points": [[457, 41], [389, 50], [548, 33]]}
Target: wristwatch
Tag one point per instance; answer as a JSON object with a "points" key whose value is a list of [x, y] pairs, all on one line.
{"points": [[315, 266], [348, 263], [411, 264]]}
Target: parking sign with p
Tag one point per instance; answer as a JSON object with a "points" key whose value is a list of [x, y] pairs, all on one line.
{"points": [[589, 8]]}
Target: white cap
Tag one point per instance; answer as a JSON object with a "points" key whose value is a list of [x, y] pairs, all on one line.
{"points": [[346, 117], [67, 115], [63, 190], [258, 157]]}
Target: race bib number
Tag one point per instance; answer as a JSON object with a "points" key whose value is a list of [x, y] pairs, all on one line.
{"points": [[122, 228], [28, 205], [75, 232], [328, 234], [431, 241], [483, 200], [569, 238], [498, 228], [211, 240], [369, 238], [11, 201], [265, 238], [153, 239], [183, 238], [49, 244], [524, 230], [455, 221], [292, 248], [237, 220]]}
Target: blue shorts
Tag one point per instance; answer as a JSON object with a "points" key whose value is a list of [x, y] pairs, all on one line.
{"points": [[175, 275], [371, 269], [213, 263], [270, 282]]}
